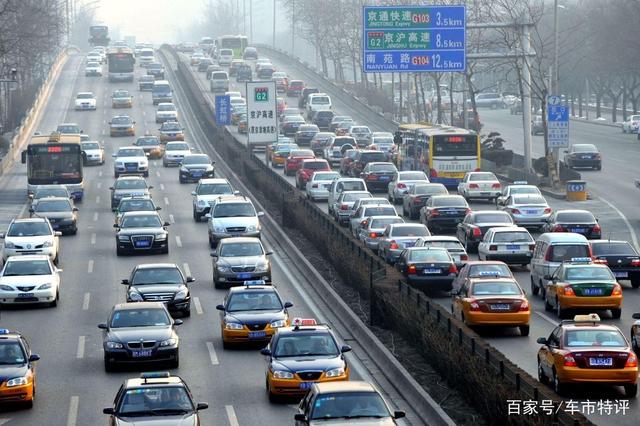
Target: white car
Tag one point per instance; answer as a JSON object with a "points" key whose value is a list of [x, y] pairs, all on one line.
{"points": [[30, 279], [130, 159], [174, 152], [483, 185], [85, 101], [31, 236], [402, 183], [319, 184], [166, 111], [93, 152], [94, 57], [233, 94], [206, 193], [225, 56], [237, 101], [511, 245], [631, 125], [93, 69], [518, 187], [528, 210], [317, 102]]}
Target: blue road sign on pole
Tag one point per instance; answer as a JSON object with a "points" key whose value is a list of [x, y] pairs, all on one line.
{"points": [[413, 38], [557, 123], [223, 111]]}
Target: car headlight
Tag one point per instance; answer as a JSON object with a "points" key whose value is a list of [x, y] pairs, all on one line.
{"points": [[233, 326], [181, 295], [17, 381], [161, 237], [336, 372], [223, 268], [184, 170], [144, 164], [114, 345], [6, 288], [252, 228], [278, 374], [123, 238], [262, 267], [47, 244], [119, 164], [134, 296], [45, 286], [202, 203], [219, 229], [278, 323], [168, 342], [9, 245]]}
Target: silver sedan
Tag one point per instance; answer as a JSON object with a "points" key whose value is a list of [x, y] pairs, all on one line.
{"points": [[528, 210], [319, 184]]}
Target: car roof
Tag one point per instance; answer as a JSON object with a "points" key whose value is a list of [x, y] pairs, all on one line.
{"points": [[497, 278], [26, 257], [214, 180], [243, 288], [29, 219], [440, 238], [232, 198], [573, 211], [136, 305], [343, 387], [509, 229], [156, 266], [562, 237], [150, 382], [233, 240]]}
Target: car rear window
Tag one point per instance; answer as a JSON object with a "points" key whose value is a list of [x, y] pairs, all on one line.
{"points": [[575, 217], [493, 218], [383, 168], [529, 199], [512, 237], [449, 245], [589, 273], [563, 252], [219, 76], [353, 186], [430, 190], [427, 255], [373, 156], [449, 202], [482, 177], [382, 223], [412, 176], [623, 249], [490, 288], [357, 196], [316, 165], [411, 231]]}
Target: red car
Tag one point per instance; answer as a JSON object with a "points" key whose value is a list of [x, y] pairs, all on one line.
{"points": [[293, 161], [281, 104], [295, 87], [308, 168], [347, 159]]}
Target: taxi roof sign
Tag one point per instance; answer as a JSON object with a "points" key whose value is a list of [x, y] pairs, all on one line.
{"points": [[155, 375], [587, 318], [489, 273], [254, 282], [303, 321], [4, 331]]}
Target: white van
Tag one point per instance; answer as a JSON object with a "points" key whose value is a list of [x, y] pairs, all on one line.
{"points": [[552, 248], [145, 57], [225, 56], [219, 81], [317, 102]]}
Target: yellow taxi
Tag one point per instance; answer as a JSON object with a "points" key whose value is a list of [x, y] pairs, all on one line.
{"points": [[495, 301], [301, 355], [584, 350], [281, 152], [242, 124], [252, 313], [635, 333], [17, 369], [582, 284]]}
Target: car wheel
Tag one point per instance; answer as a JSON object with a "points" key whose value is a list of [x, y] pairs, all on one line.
{"points": [[547, 305], [558, 386], [216, 284], [187, 312], [630, 391], [534, 288], [541, 376], [599, 167], [108, 366], [119, 252], [524, 330], [54, 303], [560, 311], [635, 283], [616, 313], [181, 180]]}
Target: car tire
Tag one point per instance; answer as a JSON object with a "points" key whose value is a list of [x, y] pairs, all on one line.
{"points": [[187, 312], [547, 305], [534, 288], [598, 168], [635, 283], [562, 313], [216, 284], [559, 387], [541, 376], [54, 303], [524, 330], [181, 180], [108, 366], [616, 313], [630, 391], [196, 217]]}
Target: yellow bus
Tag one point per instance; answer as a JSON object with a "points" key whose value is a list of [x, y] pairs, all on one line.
{"points": [[444, 153]]}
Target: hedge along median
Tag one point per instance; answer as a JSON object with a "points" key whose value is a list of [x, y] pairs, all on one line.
{"points": [[475, 368]]}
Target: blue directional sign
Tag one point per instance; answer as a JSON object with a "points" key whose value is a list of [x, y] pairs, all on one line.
{"points": [[223, 111], [557, 123], [413, 38]]}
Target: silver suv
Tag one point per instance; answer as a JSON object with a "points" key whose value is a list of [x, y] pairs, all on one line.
{"points": [[206, 193], [232, 216]]}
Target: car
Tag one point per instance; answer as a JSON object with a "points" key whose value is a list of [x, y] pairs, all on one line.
{"points": [[362, 135], [294, 160], [265, 72], [130, 160], [340, 185], [582, 284], [211, 69], [219, 81], [145, 83], [516, 107], [156, 70], [145, 56], [317, 187], [347, 159], [490, 100], [317, 102], [278, 153], [196, 57], [496, 302], [240, 259], [305, 133], [307, 168], [537, 125], [343, 208], [29, 279], [138, 203], [94, 57], [162, 282], [141, 232], [60, 212], [319, 141], [301, 355], [233, 66], [237, 102], [92, 153], [417, 196], [334, 150], [244, 73], [476, 224], [206, 193], [154, 397], [128, 186], [621, 257], [166, 111], [527, 210], [121, 99], [93, 69], [517, 188], [31, 236], [370, 201], [295, 87], [85, 101], [238, 113], [364, 213], [398, 237], [304, 95], [377, 175], [573, 354], [289, 124], [444, 212], [323, 118], [631, 124], [122, 125], [140, 334], [282, 81], [225, 56], [288, 112], [69, 128], [429, 268], [337, 119], [232, 216], [342, 128], [452, 244], [512, 245], [488, 269], [151, 146], [204, 64], [194, 167], [583, 155], [171, 131], [328, 403], [578, 221], [18, 368], [361, 159], [373, 229], [250, 53], [401, 184], [45, 191], [480, 185]]}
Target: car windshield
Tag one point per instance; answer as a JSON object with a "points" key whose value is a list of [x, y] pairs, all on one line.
{"points": [[28, 267], [196, 159], [382, 168], [349, 405], [177, 147], [427, 255], [529, 199], [593, 337], [254, 301], [144, 276], [136, 206], [121, 94], [51, 192], [214, 189], [141, 222], [171, 126], [144, 317], [90, 145], [155, 401], [429, 189], [84, 96], [412, 176], [11, 353], [131, 184], [575, 217], [479, 177], [455, 201], [29, 229], [130, 152], [621, 249], [241, 249], [315, 165], [52, 205], [147, 142], [585, 148], [512, 237], [325, 176], [120, 120], [234, 210], [490, 269], [492, 218], [356, 196], [306, 344], [162, 107], [410, 231], [588, 273], [497, 288]]}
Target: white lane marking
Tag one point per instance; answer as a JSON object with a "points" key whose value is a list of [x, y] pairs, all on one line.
{"points": [[95, 217], [626, 222], [72, 416], [90, 266], [100, 174], [144, 112], [178, 241], [212, 354], [166, 200], [104, 122], [231, 414], [80, 352], [85, 302], [162, 186], [93, 239], [196, 302], [172, 219], [187, 270], [157, 173], [99, 185], [547, 318], [97, 199]]}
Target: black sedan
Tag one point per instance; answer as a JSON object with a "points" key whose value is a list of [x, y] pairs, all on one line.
{"points": [[418, 196], [432, 268], [305, 133], [583, 155], [577, 221], [141, 232], [475, 224], [377, 175], [621, 257], [140, 333], [60, 211], [444, 212], [195, 167]]}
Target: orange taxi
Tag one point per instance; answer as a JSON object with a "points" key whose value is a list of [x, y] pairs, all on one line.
{"points": [[17, 369]]}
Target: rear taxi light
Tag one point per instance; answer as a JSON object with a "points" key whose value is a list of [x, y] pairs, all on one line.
{"points": [[524, 305], [402, 186], [344, 207], [496, 186], [411, 269], [434, 213], [394, 245], [464, 257], [372, 177], [493, 248], [304, 321], [635, 262], [569, 361], [373, 235], [601, 261], [617, 290], [532, 247], [473, 305], [547, 210], [632, 360], [477, 232], [597, 228], [453, 269], [558, 228], [473, 186], [515, 211], [568, 291]]}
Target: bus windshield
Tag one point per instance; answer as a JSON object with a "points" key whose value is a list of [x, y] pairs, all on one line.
{"points": [[455, 145]]}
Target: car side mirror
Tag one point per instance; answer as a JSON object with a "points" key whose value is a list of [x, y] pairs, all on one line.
{"points": [[220, 307], [202, 406], [636, 316], [2, 235], [111, 188], [125, 281], [31, 210], [213, 255], [542, 340], [166, 224], [268, 253], [191, 280], [108, 410], [193, 193], [566, 151], [399, 414], [158, 209], [208, 215], [260, 214], [288, 305], [116, 226], [57, 234], [265, 352], [345, 348], [147, 154], [102, 326], [75, 209], [34, 357], [114, 155], [30, 196], [299, 417], [150, 187], [178, 322]]}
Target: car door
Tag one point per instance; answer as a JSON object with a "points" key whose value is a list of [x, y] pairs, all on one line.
{"points": [[457, 297], [462, 185], [355, 219], [462, 227], [483, 247], [551, 287], [461, 278], [550, 351], [537, 262]]}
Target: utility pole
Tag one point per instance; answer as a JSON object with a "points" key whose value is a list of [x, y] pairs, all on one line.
{"points": [[526, 96], [293, 28], [554, 89], [273, 42], [244, 17], [251, 20]]}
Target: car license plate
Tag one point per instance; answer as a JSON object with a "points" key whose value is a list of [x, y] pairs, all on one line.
{"points": [[196, 174], [578, 230], [134, 168], [621, 274], [25, 295], [604, 362], [141, 354], [431, 271], [409, 244], [141, 244], [513, 247], [586, 157], [257, 334], [306, 385], [385, 177], [484, 193], [244, 276], [593, 291], [500, 307], [531, 211]]}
